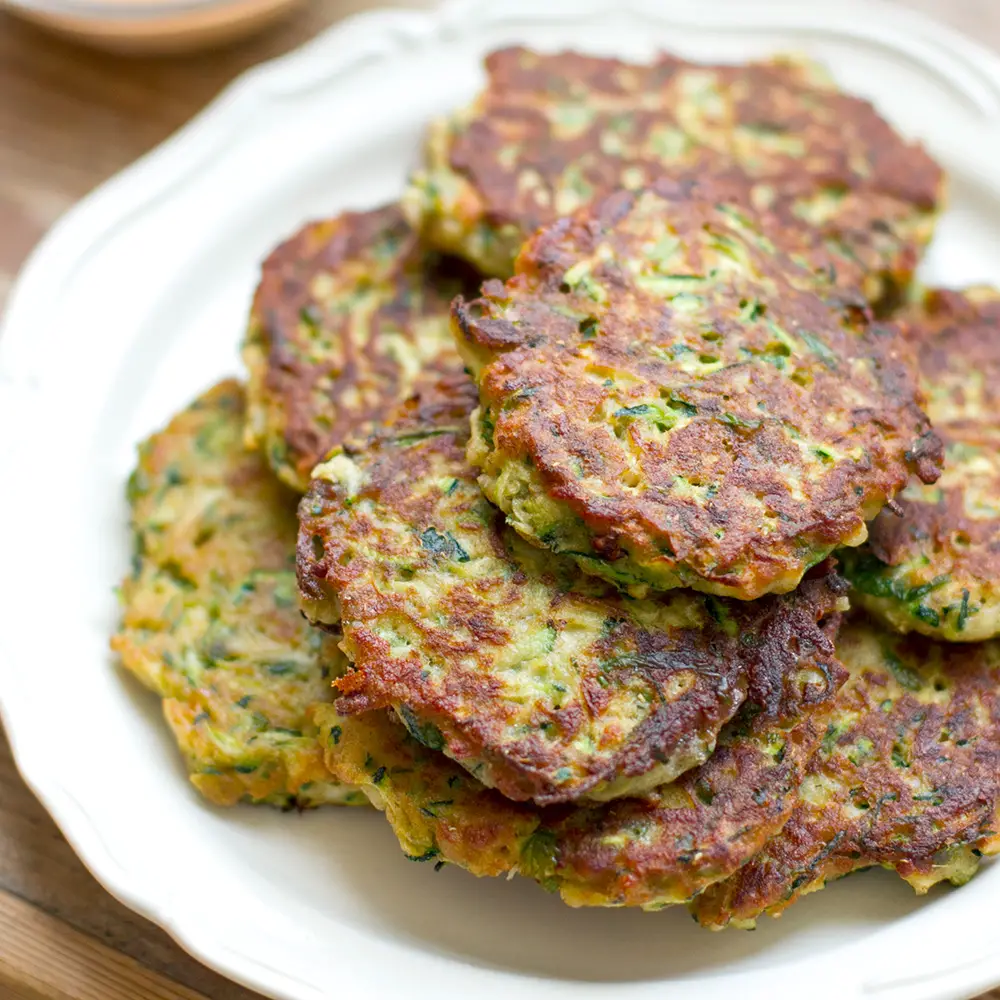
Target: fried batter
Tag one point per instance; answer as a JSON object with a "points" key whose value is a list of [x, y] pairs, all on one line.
{"points": [[907, 777], [649, 852], [670, 399], [936, 569], [211, 620], [544, 682], [552, 131], [349, 320]]}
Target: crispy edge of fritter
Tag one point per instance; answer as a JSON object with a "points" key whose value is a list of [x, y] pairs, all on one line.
{"points": [[933, 570], [285, 316], [936, 569], [650, 853], [158, 584], [888, 728], [267, 416]]}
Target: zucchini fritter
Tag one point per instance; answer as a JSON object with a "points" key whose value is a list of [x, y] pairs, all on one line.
{"points": [[670, 399], [936, 569], [211, 620], [650, 852], [544, 682], [350, 318], [552, 131], [907, 777]]}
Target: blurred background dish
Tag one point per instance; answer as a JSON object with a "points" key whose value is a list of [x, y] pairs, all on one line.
{"points": [[134, 26]]}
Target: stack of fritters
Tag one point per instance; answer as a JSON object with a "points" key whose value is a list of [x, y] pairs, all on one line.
{"points": [[571, 542], [550, 133]]}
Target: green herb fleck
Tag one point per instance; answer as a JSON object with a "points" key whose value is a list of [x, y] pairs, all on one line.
{"points": [[423, 732], [963, 612], [428, 855], [486, 427], [905, 676], [821, 350], [443, 545], [540, 857], [833, 733], [704, 792]]}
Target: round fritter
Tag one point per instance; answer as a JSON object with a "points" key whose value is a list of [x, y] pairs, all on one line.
{"points": [[210, 613], [670, 399], [936, 568], [907, 777], [650, 852], [544, 682], [552, 131], [350, 319]]}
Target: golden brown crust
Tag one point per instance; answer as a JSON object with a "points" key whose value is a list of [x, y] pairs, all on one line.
{"points": [[545, 682], [697, 831], [551, 131], [936, 568], [649, 852], [908, 777], [349, 320], [669, 396]]}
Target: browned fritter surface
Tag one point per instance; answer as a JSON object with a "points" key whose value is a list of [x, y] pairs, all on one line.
{"points": [[540, 679], [957, 338], [936, 569], [348, 321], [907, 777], [210, 617], [649, 852], [669, 397], [551, 131]]}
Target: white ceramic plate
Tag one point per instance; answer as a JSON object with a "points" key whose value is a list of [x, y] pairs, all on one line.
{"points": [[137, 300]]}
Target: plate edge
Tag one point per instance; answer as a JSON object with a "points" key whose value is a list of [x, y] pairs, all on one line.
{"points": [[383, 30]]}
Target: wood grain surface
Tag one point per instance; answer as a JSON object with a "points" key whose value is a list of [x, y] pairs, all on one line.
{"points": [[69, 118]]}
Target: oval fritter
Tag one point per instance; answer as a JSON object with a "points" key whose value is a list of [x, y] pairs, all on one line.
{"points": [[907, 777], [650, 852], [210, 613], [670, 399], [544, 682], [552, 131], [936, 568], [350, 318]]}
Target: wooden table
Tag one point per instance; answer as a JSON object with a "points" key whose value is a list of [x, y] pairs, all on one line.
{"points": [[68, 119]]}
